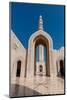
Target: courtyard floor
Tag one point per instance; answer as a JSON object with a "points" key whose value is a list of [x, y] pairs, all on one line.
{"points": [[39, 85]]}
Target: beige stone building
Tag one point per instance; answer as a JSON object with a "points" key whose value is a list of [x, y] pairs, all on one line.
{"points": [[23, 61]]}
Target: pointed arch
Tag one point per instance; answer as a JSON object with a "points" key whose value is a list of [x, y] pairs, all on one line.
{"points": [[39, 37]]}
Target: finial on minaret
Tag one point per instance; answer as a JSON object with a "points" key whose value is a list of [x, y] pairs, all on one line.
{"points": [[40, 23]]}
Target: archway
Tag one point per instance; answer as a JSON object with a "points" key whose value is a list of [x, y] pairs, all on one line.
{"points": [[18, 68], [40, 40], [62, 68], [37, 38]]}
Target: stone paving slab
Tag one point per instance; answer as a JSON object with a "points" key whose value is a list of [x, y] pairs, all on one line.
{"points": [[44, 85]]}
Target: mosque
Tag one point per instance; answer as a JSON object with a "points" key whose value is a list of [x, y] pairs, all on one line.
{"points": [[40, 59]]}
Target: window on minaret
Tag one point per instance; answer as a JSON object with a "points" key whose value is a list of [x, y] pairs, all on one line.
{"points": [[18, 68], [41, 68]]}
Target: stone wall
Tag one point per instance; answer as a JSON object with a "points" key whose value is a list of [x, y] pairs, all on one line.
{"points": [[18, 52]]}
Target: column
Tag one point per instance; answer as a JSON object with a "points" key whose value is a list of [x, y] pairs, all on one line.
{"points": [[41, 53]]}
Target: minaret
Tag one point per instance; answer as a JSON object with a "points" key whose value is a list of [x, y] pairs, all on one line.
{"points": [[41, 53], [40, 23], [41, 47]]}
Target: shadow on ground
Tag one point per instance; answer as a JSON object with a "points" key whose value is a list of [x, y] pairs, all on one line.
{"points": [[21, 91]]}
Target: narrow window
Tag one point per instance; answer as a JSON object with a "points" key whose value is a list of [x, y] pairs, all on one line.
{"points": [[41, 68], [61, 67], [18, 68]]}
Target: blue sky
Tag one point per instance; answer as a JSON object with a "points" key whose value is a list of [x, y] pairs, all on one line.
{"points": [[24, 21]]}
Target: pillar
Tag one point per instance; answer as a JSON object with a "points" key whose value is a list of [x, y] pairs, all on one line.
{"points": [[41, 53]]}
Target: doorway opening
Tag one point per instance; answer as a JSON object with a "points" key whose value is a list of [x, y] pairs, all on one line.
{"points": [[18, 68], [62, 68], [41, 56]]}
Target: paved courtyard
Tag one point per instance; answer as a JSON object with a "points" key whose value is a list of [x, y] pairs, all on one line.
{"points": [[39, 85]]}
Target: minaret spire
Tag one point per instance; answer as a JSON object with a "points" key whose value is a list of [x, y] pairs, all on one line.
{"points": [[40, 23]]}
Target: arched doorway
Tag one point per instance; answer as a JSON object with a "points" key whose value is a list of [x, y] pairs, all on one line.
{"points": [[18, 68], [62, 68], [40, 40], [37, 38]]}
